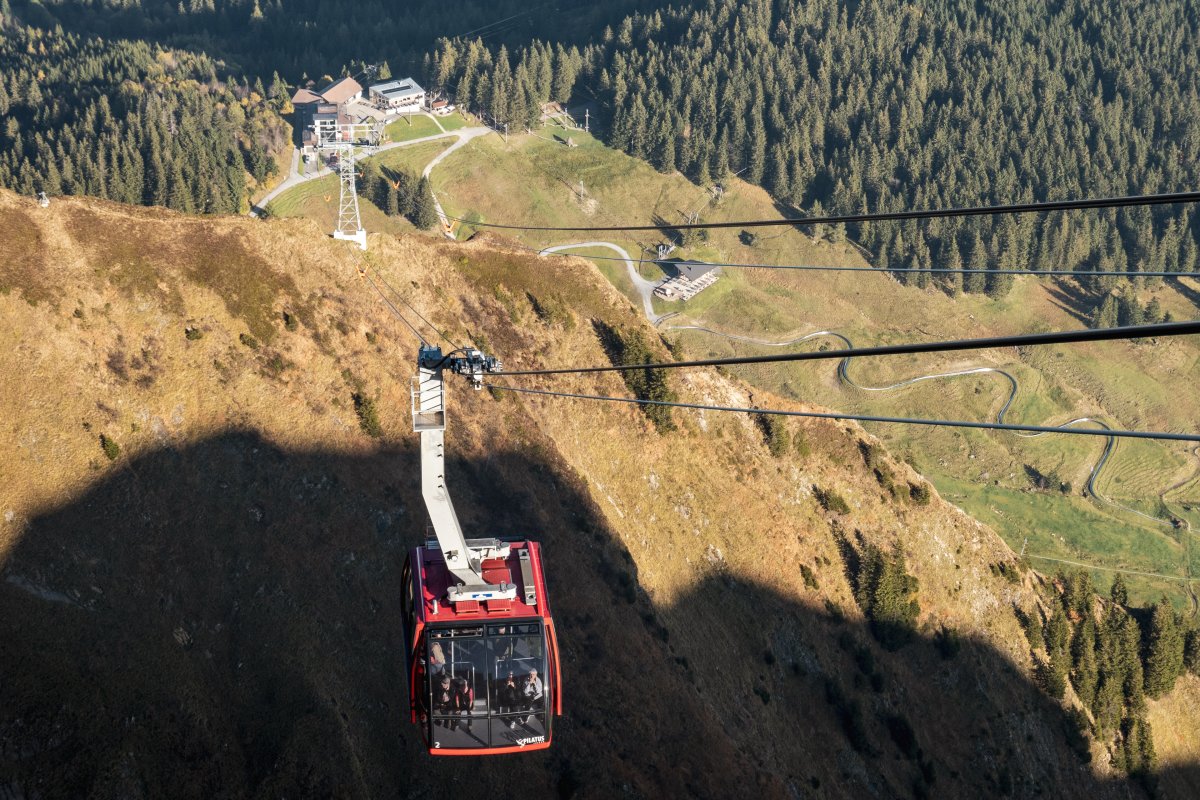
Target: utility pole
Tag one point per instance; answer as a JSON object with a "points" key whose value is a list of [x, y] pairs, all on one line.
{"points": [[586, 114], [506, 133]]}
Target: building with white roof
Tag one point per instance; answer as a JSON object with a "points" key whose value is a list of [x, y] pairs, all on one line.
{"points": [[690, 279], [400, 95]]}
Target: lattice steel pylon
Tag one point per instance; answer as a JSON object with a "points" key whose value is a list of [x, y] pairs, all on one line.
{"points": [[349, 225], [344, 140]]}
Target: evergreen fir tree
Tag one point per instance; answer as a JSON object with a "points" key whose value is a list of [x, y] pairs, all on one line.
{"points": [[1190, 260], [952, 281], [1058, 637], [1191, 651], [424, 212], [370, 181], [178, 196], [498, 102], [1034, 631], [1085, 673], [1129, 311], [886, 593], [975, 280], [666, 152], [1164, 650], [779, 182], [1078, 593], [1119, 593], [1106, 316], [758, 149], [392, 200], [1138, 746], [997, 284]]}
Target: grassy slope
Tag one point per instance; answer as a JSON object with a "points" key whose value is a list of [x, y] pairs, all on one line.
{"points": [[411, 127], [1176, 736], [317, 199], [453, 122], [296, 522], [534, 180]]}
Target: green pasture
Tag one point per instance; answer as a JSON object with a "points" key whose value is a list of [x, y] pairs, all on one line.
{"points": [[411, 126]]}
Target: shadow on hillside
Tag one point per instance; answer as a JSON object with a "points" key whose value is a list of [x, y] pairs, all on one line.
{"points": [[224, 621], [1190, 292], [1071, 298]]}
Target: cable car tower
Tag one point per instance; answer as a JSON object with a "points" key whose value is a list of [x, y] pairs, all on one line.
{"points": [[483, 663], [343, 140]]}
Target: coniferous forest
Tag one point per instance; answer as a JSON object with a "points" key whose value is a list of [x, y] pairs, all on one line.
{"points": [[843, 108], [130, 121], [310, 38], [832, 107]]}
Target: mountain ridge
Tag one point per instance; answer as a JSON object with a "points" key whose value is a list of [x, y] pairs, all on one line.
{"points": [[245, 543]]}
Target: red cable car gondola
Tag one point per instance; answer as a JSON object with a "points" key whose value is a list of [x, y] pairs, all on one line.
{"points": [[483, 666], [483, 675]]}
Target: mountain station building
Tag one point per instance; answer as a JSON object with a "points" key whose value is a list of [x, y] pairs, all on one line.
{"points": [[398, 96]]}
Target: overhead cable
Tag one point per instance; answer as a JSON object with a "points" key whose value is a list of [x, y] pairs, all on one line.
{"points": [[883, 216], [410, 307], [495, 23], [941, 423], [392, 306], [1024, 340], [1121, 570], [1054, 273]]}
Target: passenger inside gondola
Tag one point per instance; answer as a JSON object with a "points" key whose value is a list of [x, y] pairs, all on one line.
{"points": [[462, 702], [437, 659], [490, 690], [507, 698], [532, 692], [443, 698]]}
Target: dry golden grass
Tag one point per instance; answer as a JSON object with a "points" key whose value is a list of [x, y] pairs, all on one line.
{"points": [[1176, 735], [675, 562]]}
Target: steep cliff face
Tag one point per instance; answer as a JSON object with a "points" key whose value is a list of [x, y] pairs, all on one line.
{"points": [[201, 546]]}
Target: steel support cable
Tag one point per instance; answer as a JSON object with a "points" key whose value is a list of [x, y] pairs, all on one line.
{"points": [[885, 216], [410, 307], [1049, 273], [494, 23], [1093, 475], [844, 364], [944, 423], [392, 306], [844, 376], [1021, 430], [1109, 569], [1022, 340]]}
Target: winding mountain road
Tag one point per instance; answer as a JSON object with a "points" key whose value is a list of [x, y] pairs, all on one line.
{"points": [[644, 287], [463, 135], [844, 376]]}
